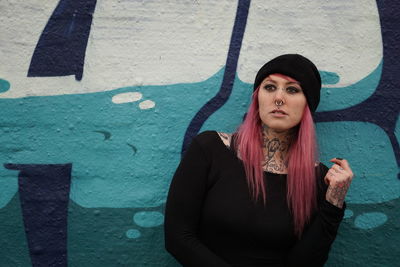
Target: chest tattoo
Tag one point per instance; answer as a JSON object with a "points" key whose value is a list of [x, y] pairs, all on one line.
{"points": [[226, 138]]}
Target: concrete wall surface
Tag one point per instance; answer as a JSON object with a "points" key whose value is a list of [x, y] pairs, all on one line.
{"points": [[99, 99]]}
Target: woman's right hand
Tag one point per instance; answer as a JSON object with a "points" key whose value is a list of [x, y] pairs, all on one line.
{"points": [[338, 178]]}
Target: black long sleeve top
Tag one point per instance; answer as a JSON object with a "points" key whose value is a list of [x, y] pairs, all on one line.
{"points": [[211, 219]]}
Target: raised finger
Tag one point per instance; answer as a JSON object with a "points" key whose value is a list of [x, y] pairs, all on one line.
{"points": [[345, 164], [342, 163]]}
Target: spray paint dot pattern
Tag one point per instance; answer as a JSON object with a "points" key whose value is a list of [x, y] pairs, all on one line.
{"points": [[148, 218], [370, 220], [133, 233]]}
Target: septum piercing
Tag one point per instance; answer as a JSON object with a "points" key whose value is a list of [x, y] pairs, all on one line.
{"points": [[278, 103]]}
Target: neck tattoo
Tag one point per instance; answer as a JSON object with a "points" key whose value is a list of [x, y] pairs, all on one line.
{"points": [[275, 148]]}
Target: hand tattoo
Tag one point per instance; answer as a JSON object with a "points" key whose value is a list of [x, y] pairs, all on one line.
{"points": [[336, 193]]}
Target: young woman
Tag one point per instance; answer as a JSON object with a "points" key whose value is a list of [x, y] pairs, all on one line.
{"points": [[260, 197]]}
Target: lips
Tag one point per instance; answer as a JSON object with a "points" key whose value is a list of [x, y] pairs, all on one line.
{"points": [[278, 111]]}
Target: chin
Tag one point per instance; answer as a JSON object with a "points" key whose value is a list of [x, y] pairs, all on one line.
{"points": [[279, 127]]}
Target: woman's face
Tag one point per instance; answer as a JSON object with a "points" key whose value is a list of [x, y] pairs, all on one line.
{"points": [[281, 102]]}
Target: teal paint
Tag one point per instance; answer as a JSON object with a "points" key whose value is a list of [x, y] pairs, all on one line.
{"points": [[369, 151], [329, 77], [397, 130], [348, 213], [97, 237], [87, 128], [379, 244], [230, 115], [97, 136], [148, 218], [4, 86], [110, 238], [104, 138], [106, 172], [8, 183], [333, 98], [370, 220], [13, 243], [133, 233]]}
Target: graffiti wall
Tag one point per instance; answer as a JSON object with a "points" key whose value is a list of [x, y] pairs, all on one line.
{"points": [[99, 99]]}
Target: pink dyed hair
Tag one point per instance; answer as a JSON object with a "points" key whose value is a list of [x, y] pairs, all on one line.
{"points": [[302, 156]]}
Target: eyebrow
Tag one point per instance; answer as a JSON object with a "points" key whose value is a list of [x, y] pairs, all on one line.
{"points": [[289, 82]]}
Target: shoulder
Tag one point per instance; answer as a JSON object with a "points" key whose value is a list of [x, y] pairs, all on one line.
{"points": [[321, 168], [212, 138], [206, 140], [225, 138], [206, 137]]}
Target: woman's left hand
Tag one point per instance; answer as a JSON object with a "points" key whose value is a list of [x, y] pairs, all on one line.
{"points": [[338, 178]]}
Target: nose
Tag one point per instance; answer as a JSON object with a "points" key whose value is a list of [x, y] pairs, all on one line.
{"points": [[279, 96]]}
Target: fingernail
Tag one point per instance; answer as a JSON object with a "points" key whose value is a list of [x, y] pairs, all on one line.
{"points": [[339, 158]]}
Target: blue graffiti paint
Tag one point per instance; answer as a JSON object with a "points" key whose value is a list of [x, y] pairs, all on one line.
{"points": [[131, 168], [229, 76], [329, 77], [397, 130], [334, 98], [348, 213], [370, 220], [133, 233], [382, 108], [4, 86], [148, 218], [61, 48], [375, 180], [364, 145], [44, 196], [229, 116], [107, 135], [70, 128]]}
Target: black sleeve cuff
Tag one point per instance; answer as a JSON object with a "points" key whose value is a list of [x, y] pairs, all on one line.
{"points": [[333, 212]]}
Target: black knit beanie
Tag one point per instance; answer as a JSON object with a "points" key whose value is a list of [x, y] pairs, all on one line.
{"points": [[299, 68]]}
